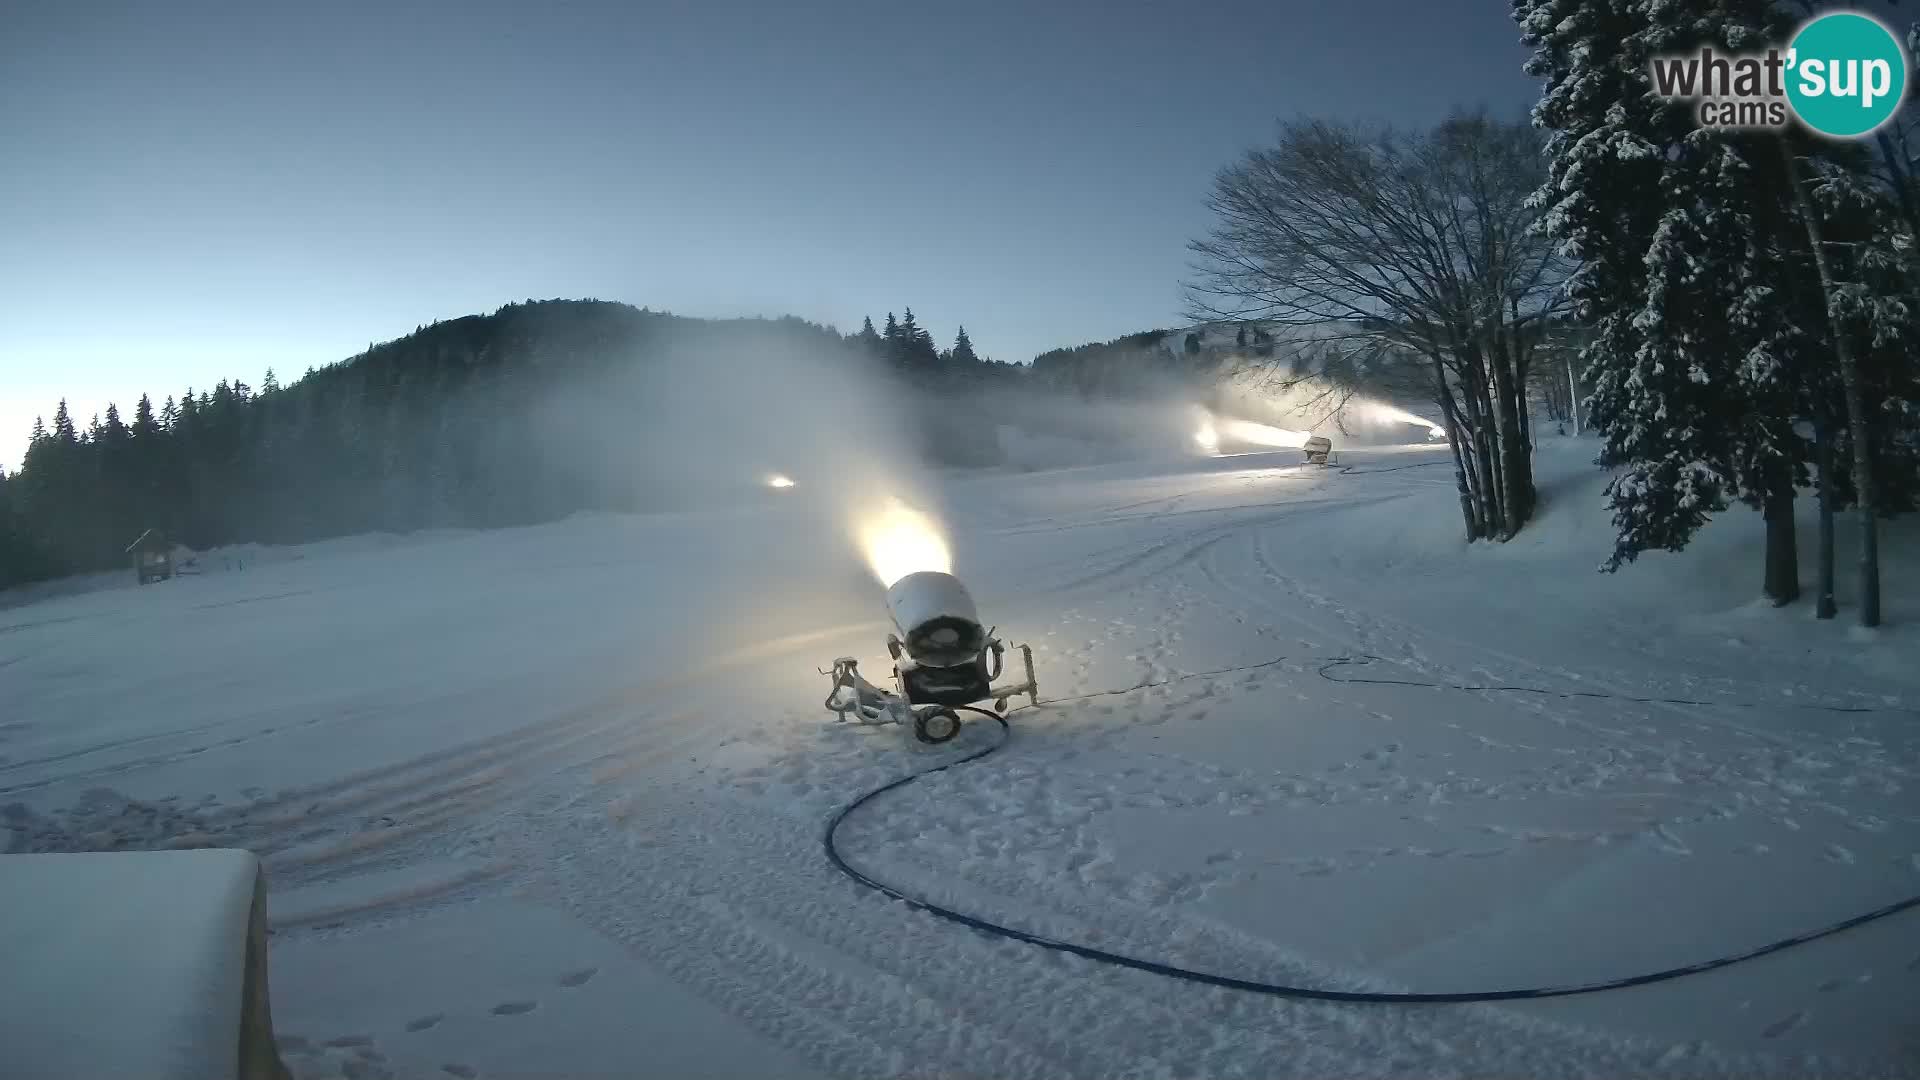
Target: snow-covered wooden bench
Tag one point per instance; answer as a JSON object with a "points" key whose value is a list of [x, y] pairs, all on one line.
{"points": [[136, 964]]}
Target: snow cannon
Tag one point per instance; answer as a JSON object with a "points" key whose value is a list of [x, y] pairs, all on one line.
{"points": [[1319, 450], [944, 660], [934, 620]]}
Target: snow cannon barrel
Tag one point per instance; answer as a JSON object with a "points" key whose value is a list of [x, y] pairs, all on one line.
{"points": [[936, 620]]}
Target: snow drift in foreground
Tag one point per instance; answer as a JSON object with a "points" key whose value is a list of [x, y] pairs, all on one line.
{"points": [[548, 800]]}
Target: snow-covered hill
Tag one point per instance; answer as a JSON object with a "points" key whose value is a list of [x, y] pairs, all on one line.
{"points": [[548, 800]]}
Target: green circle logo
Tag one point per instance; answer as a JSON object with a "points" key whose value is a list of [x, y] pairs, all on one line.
{"points": [[1846, 74]]}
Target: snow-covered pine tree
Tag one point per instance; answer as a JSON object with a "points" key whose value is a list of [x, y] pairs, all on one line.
{"points": [[1678, 234], [1607, 151], [1747, 290]]}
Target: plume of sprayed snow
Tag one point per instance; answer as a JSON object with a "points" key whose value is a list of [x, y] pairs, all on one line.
{"points": [[703, 422]]}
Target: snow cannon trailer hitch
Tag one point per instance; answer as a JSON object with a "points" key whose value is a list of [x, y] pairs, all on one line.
{"points": [[943, 661]]}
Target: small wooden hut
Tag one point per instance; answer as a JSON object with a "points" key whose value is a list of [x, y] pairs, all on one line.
{"points": [[152, 557]]}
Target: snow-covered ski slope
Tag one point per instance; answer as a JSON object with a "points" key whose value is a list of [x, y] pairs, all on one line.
{"points": [[548, 801]]}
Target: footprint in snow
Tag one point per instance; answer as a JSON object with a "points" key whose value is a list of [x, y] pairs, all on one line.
{"points": [[1784, 1024], [1839, 854], [464, 1072], [1666, 841], [1680, 1053], [514, 1008], [578, 978], [425, 1022]]}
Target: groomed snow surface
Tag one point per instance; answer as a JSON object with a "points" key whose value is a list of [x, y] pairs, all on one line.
{"points": [[548, 801]]}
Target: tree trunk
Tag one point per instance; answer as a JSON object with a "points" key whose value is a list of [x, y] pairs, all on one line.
{"points": [[1486, 454], [1823, 463], [1856, 403], [1515, 468], [1782, 584], [1573, 394], [1443, 397], [1482, 518], [1526, 433], [1479, 469]]}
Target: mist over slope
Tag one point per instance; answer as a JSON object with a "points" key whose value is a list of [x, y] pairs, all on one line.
{"points": [[531, 413], [544, 409], [1265, 373]]}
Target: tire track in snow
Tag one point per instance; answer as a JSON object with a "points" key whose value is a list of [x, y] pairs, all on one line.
{"points": [[1644, 756], [619, 698], [1041, 1004], [365, 833], [845, 1023], [1369, 630], [469, 799], [1193, 541], [1231, 956], [1405, 631], [1722, 786], [1160, 1022]]}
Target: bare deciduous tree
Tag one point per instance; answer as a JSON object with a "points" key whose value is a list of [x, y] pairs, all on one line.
{"points": [[1408, 255]]}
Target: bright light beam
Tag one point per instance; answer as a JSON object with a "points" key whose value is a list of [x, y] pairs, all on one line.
{"points": [[899, 540], [779, 480], [1387, 414], [1207, 436], [1263, 434]]}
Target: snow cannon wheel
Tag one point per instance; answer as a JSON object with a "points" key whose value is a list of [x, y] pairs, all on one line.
{"points": [[935, 726]]}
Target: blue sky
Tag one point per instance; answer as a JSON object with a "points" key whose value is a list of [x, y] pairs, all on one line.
{"points": [[195, 191]]}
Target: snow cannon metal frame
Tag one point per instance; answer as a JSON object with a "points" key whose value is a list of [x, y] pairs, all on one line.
{"points": [[943, 659], [1319, 450]]}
